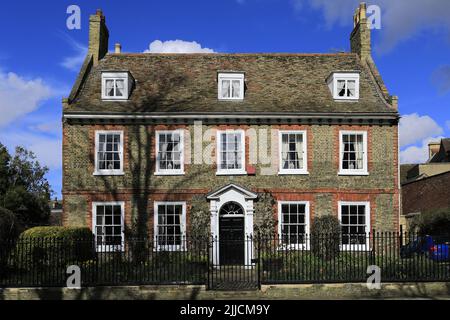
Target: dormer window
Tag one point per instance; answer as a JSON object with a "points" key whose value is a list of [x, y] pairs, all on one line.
{"points": [[116, 85], [231, 86], [344, 86]]}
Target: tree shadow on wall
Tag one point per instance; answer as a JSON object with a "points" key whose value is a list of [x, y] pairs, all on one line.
{"points": [[139, 164]]}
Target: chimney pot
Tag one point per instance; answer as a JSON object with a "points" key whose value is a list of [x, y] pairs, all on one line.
{"points": [[118, 48]]}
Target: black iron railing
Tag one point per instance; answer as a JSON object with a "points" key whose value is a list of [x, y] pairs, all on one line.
{"points": [[226, 263]]}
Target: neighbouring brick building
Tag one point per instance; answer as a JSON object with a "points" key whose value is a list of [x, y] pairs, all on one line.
{"points": [[151, 139], [427, 186]]}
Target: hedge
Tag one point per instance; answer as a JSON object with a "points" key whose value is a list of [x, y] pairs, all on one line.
{"points": [[57, 233], [54, 246]]}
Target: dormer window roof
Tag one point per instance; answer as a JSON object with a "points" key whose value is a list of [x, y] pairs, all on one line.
{"points": [[116, 85], [344, 85], [230, 86]]}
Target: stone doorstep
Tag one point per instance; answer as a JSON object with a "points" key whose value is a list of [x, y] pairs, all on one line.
{"points": [[194, 292]]}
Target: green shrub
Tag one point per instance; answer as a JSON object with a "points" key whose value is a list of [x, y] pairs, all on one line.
{"points": [[432, 222], [54, 246], [9, 230], [326, 237], [9, 225]]}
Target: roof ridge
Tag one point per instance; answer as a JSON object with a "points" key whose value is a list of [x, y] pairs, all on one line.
{"points": [[231, 54]]}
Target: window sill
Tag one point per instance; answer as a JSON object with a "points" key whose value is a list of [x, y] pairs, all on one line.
{"points": [[231, 173], [169, 248], [285, 173], [169, 173], [288, 247], [108, 173], [355, 248], [346, 99], [353, 173], [114, 99], [110, 248]]}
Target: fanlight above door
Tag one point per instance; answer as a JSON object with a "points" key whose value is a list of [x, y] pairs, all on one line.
{"points": [[231, 208]]}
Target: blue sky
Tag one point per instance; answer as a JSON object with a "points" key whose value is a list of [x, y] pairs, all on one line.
{"points": [[40, 56]]}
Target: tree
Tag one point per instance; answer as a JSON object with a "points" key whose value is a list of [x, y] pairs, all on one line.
{"points": [[24, 190], [432, 222], [5, 158], [326, 237]]}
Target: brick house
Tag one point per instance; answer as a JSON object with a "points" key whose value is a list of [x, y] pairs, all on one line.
{"points": [[426, 187], [154, 140]]}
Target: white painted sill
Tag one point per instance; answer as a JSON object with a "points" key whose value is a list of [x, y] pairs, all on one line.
{"points": [[108, 173], [109, 248], [355, 248], [231, 173], [179, 173], [353, 173], [287, 173], [345, 99]]}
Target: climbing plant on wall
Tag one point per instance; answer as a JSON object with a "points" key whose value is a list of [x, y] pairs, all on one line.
{"points": [[199, 224], [264, 219]]}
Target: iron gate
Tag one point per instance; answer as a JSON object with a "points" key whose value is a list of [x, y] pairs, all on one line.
{"points": [[234, 264]]}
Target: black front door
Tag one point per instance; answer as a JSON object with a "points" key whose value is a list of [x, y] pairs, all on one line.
{"points": [[231, 240]]}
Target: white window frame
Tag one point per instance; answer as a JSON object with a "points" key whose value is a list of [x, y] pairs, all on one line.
{"points": [[304, 170], [108, 248], [355, 172], [220, 171], [356, 247], [116, 76], [108, 172], [346, 77], [230, 76], [295, 246], [158, 170], [158, 247]]}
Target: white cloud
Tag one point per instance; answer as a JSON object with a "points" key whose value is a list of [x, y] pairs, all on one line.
{"points": [[48, 127], [19, 96], [176, 46], [400, 19], [414, 128], [47, 149], [73, 63], [417, 154], [447, 123]]}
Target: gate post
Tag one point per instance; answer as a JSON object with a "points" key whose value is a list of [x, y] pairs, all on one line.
{"points": [[208, 249], [258, 263], [374, 243]]}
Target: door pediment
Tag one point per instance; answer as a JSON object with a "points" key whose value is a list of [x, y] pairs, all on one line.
{"points": [[232, 188]]}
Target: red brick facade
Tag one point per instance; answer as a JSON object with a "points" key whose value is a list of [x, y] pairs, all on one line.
{"points": [[426, 194]]}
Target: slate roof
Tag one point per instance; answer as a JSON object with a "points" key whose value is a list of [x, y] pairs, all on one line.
{"points": [[446, 144], [274, 83], [443, 155]]}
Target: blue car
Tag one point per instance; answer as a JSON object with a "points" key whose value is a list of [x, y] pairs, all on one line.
{"points": [[426, 245]]}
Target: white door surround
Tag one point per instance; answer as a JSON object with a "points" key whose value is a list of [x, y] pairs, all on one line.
{"points": [[244, 198]]}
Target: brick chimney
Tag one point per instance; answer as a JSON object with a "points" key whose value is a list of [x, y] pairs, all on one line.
{"points": [[98, 36], [360, 36], [433, 148]]}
